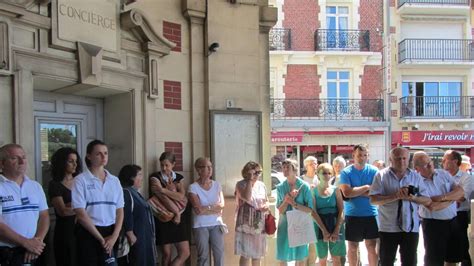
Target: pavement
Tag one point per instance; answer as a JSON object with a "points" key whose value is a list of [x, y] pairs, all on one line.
{"points": [[420, 253], [363, 254]]}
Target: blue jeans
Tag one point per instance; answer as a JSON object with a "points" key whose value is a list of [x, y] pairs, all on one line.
{"points": [[209, 236]]}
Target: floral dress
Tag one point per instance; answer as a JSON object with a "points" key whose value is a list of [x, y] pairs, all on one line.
{"points": [[250, 238]]}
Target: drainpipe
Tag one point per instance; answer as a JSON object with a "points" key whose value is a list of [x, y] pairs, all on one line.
{"points": [[388, 93]]}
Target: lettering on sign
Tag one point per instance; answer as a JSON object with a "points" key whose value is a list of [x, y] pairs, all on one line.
{"points": [[465, 137], [287, 139], [447, 137], [90, 21], [87, 16]]}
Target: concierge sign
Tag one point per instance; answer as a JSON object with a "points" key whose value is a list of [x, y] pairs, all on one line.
{"points": [[462, 137], [89, 21]]}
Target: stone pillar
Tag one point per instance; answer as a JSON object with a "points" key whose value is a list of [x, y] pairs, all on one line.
{"points": [[268, 18], [195, 11], [23, 116]]}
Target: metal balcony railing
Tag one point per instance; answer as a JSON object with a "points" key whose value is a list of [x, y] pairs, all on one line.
{"points": [[327, 109], [279, 39], [437, 107], [434, 2], [342, 40], [435, 50]]}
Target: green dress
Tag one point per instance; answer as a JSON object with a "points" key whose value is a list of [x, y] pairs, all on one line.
{"points": [[324, 206], [284, 252]]}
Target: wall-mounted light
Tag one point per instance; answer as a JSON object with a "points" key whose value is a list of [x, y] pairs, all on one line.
{"points": [[213, 47], [466, 126], [417, 126], [441, 126]]}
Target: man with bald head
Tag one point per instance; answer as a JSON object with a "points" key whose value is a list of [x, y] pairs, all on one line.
{"points": [[398, 191], [439, 218], [24, 218]]}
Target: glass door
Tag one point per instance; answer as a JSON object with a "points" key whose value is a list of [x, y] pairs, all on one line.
{"points": [[51, 136], [338, 93], [337, 21]]}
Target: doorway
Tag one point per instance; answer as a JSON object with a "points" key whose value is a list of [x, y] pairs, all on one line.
{"points": [[63, 121]]}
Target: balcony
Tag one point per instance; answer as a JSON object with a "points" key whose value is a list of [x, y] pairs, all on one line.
{"points": [[437, 107], [342, 40], [279, 39], [434, 7], [436, 51], [327, 109]]}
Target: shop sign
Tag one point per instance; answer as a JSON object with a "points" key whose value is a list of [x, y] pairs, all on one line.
{"points": [[342, 149], [287, 139], [312, 148], [465, 137], [278, 137], [90, 21]]}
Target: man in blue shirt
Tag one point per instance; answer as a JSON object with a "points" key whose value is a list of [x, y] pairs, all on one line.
{"points": [[361, 223], [439, 225]]}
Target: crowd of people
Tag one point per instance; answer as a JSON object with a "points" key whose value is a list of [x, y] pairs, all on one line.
{"points": [[371, 203], [381, 206]]}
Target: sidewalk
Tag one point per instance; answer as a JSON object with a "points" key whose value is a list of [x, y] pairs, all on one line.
{"points": [[363, 253]]}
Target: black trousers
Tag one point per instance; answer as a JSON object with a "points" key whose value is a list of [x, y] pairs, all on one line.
{"points": [[389, 243], [12, 256], [90, 251], [440, 241], [463, 222]]}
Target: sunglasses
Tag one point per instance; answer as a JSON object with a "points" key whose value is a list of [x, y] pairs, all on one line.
{"points": [[257, 173]]}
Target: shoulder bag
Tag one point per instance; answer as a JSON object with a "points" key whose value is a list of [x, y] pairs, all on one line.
{"points": [[123, 246]]}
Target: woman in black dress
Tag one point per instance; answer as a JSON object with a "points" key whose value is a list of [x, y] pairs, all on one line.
{"points": [[138, 220], [65, 165], [168, 184]]}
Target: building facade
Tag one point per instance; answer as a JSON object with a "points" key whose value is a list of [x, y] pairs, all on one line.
{"points": [[430, 60], [146, 77], [326, 79]]}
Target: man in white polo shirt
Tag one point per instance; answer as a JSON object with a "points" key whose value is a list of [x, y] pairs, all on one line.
{"points": [[439, 218], [24, 218], [452, 161]]}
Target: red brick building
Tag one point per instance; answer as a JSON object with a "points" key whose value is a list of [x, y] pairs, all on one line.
{"points": [[326, 78]]}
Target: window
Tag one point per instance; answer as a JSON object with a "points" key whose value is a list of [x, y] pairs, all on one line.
{"points": [[337, 21], [432, 99], [338, 92]]}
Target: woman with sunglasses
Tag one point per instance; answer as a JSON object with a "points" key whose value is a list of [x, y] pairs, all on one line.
{"points": [[250, 194], [328, 214]]}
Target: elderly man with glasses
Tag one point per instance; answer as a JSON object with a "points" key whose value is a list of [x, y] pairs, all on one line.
{"points": [[439, 218]]}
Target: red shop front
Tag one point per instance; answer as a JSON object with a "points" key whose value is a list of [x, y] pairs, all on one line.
{"points": [[462, 140]]}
